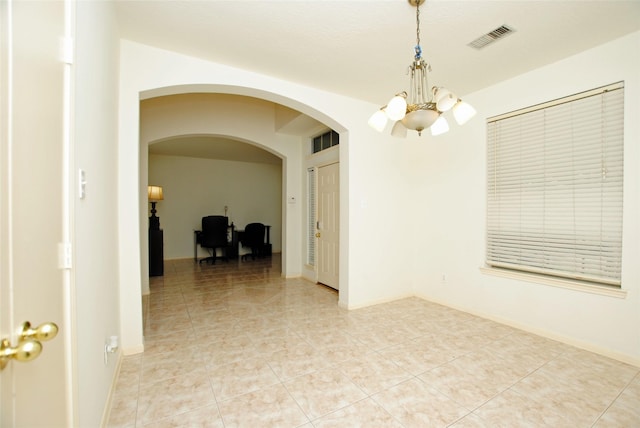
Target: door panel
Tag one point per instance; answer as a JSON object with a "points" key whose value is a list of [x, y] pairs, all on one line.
{"points": [[328, 233], [33, 394]]}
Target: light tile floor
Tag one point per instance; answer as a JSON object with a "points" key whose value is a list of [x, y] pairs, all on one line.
{"points": [[236, 345]]}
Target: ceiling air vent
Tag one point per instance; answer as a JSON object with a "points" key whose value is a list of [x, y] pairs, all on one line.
{"points": [[491, 37]]}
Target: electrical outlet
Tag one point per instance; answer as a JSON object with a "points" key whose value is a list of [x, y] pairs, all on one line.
{"points": [[110, 347]]}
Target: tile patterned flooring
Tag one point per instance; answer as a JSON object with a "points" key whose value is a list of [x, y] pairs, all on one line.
{"points": [[236, 345]]}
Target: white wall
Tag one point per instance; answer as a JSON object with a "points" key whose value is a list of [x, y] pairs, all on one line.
{"points": [[225, 116], [196, 187], [451, 180], [96, 216], [374, 195], [410, 209]]}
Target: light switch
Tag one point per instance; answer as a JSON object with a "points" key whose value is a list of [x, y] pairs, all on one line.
{"points": [[82, 182]]}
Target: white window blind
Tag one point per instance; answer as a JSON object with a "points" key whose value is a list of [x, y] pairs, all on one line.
{"points": [[554, 184], [311, 221]]}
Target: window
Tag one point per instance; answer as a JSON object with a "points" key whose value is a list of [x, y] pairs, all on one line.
{"points": [[311, 214], [325, 141], [554, 184]]}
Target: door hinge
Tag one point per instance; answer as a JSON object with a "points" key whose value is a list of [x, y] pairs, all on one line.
{"points": [[67, 50], [64, 255]]}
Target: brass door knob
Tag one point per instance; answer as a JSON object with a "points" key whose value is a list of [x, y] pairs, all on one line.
{"points": [[29, 346], [45, 331], [26, 350], [317, 234]]}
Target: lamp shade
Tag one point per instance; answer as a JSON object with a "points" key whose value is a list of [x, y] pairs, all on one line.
{"points": [[399, 130], [462, 112], [440, 126], [397, 107], [444, 99], [155, 193], [378, 120]]}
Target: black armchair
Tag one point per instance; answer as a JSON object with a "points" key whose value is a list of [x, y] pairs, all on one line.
{"points": [[214, 236], [253, 237]]}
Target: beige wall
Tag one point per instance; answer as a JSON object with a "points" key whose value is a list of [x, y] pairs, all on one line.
{"points": [[252, 191], [195, 187]]}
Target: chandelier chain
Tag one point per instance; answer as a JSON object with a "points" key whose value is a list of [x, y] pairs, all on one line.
{"points": [[418, 24], [418, 48]]}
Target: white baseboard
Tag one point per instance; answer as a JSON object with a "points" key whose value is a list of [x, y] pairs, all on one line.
{"points": [[106, 413], [132, 350], [625, 358], [380, 301]]}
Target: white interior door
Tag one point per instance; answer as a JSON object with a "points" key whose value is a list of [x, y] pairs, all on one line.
{"points": [[328, 224], [32, 284]]}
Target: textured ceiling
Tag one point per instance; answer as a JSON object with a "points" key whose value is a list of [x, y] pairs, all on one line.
{"points": [[362, 49]]}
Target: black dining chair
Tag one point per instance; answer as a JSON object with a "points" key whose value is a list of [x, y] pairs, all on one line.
{"points": [[253, 238]]}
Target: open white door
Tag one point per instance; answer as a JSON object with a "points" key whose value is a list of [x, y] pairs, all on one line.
{"points": [[328, 224], [33, 393]]}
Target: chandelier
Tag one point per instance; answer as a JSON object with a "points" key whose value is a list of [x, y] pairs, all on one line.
{"points": [[422, 107]]}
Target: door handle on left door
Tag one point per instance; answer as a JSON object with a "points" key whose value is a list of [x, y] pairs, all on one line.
{"points": [[29, 346], [45, 331], [317, 234], [26, 350]]}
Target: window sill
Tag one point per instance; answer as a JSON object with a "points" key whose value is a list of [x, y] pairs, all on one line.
{"points": [[602, 290]]}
